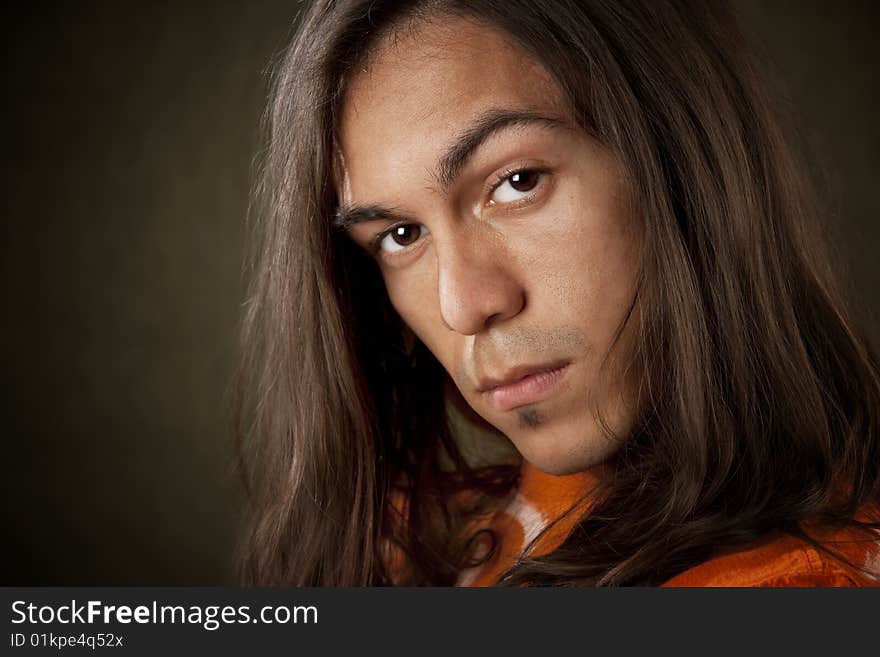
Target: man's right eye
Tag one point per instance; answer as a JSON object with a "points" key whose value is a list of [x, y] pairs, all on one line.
{"points": [[400, 237]]}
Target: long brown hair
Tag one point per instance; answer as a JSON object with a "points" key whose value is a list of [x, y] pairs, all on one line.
{"points": [[760, 397]]}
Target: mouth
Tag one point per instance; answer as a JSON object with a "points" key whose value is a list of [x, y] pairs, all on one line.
{"points": [[524, 385]]}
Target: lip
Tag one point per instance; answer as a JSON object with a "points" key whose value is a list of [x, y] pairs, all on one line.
{"points": [[524, 385]]}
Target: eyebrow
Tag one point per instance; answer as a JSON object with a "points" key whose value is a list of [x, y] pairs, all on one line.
{"points": [[451, 162]]}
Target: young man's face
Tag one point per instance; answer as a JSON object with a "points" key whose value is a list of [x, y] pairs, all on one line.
{"points": [[502, 232]]}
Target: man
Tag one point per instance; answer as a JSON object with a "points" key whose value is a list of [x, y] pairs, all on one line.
{"points": [[503, 232], [581, 222]]}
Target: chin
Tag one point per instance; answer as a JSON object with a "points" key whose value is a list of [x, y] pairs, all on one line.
{"points": [[562, 448]]}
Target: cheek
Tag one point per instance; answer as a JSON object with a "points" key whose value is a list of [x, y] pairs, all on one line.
{"points": [[599, 267], [581, 254], [414, 296]]}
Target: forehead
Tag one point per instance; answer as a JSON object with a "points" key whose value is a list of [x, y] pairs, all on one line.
{"points": [[423, 84]]}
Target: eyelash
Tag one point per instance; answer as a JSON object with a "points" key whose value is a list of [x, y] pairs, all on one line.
{"points": [[498, 180], [505, 175], [376, 242]]}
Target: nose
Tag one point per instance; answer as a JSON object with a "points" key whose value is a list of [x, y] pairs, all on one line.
{"points": [[476, 290]]}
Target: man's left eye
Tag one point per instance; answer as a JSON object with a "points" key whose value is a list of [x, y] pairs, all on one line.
{"points": [[516, 186]]}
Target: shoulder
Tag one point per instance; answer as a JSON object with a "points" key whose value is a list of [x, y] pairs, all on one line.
{"points": [[782, 560]]}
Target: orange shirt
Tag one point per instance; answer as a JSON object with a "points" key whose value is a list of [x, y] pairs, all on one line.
{"points": [[778, 560]]}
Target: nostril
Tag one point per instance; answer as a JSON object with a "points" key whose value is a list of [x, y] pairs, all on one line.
{"points": [[476, 292], [493, 318]]}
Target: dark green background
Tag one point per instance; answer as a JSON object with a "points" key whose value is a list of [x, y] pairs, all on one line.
{"points": [[131, 132]]}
